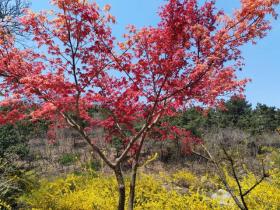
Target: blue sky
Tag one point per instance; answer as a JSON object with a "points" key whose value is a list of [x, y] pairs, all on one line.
{"points": [[262, 61]]}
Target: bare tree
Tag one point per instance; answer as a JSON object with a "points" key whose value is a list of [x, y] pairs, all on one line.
{"points": [[239, 196]]}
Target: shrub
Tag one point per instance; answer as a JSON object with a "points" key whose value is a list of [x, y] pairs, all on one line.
{"points": [[85, 192], [68, 159], [74, 192], [92, 165], [185, 179], [14, 181], [100, 192], [4, 205], [265, 196]]}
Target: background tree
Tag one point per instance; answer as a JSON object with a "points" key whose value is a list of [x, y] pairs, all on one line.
{"points": [[193, 120], [13, 140], [237, 113], [264, 119], [190, 57]]}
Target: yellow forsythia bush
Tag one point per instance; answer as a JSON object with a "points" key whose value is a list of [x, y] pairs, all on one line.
{"points": [[185, 178], [265, 196], [152, 193], [4, 205], [83, 192], [74, 192]]}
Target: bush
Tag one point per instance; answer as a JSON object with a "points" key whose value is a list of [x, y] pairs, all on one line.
{"points": [[4, 205], [74, 192], [264, 196], [100, 192], [92, 165], [14, 181], [68, 159], [85, 192], [185, 179]]}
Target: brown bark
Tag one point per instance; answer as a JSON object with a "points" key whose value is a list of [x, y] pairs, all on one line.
{"points": [[134, 174], [132, 186], [121, 187]]}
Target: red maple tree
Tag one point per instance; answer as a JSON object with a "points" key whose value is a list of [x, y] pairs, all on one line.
{"points": [[190, 57]]}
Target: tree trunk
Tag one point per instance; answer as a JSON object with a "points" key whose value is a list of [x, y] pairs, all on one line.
{"points": [[132, 186], [121, 186], [134, 175]]}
